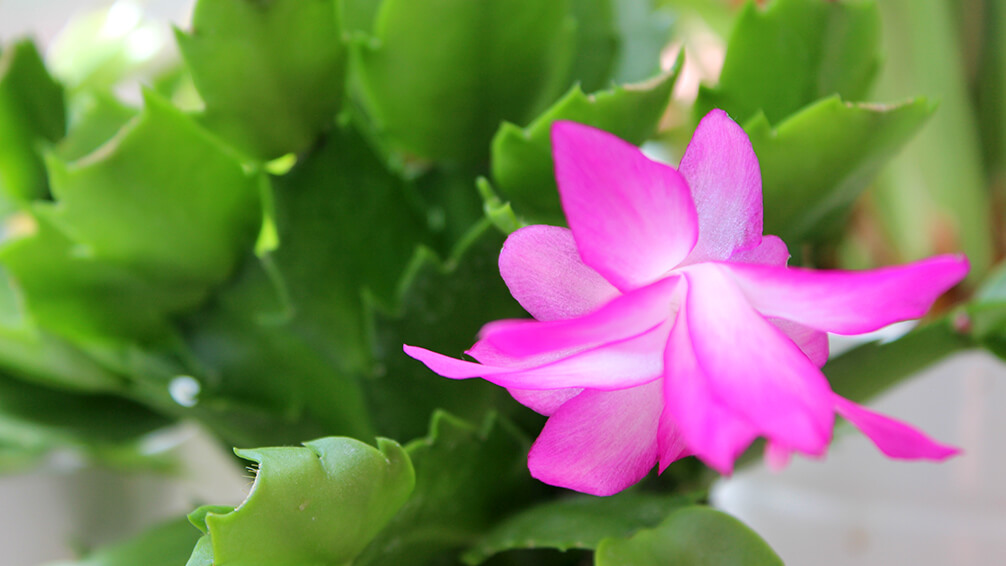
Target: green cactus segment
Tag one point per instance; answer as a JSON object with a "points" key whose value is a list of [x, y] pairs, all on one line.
{"points": [[817, 162], [439, 76], [795, 52], [579, 522], [290, 334], [442, 306], [522, 157], [94, 118], [31, 114], [270, 73], [692, 536], [466, 478], [347, 227], [142, 229], [316, 505]]}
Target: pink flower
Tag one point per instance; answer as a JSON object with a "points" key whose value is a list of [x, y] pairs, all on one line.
{"points": [[667, 325]]}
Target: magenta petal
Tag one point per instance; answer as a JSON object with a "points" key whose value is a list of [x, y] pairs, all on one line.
{"points": [[722, 171], [710, 430], [544, 272], [617, 365], [633, 219], [753, 368], [671, 445], [624, 316], [600, 442], [771, 251], [849, 302], [545, 401], [895, 439]]}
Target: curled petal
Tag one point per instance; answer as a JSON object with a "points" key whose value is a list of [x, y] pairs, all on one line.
{"points": [[544, 401], [722, 171], [624, 316], [771, 251], [710, 429], [848, 302], [633, 219], [751, 368], [600, 442], [617, 365], [543, 269], [895, 439], [813, 343]]}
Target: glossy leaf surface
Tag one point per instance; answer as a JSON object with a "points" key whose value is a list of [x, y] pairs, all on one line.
{"points": [[693, 536], [466, 477], [576, 522]]}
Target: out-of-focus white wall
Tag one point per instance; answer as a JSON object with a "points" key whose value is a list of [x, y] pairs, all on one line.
{"points": [[43, 19], [860, 508]]}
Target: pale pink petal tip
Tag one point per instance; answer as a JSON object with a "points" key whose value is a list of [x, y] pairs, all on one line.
{"points": [[543, 270], [624, 316], [599, 442], [545, 401], [894, 438], [777, 456], [723, 173], [444, 365], [771, 251]]}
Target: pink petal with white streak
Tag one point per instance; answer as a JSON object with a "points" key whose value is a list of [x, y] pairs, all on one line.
{"points": [[722, 170], [848, 302], [543, 269], [894, 438], [633, 219], [753, 368], [711, 430], [617, 365], [544, 401], [626, 315], [600, 442]]}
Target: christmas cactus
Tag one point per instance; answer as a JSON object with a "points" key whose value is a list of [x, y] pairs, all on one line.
{"points": [[311, 186]]}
